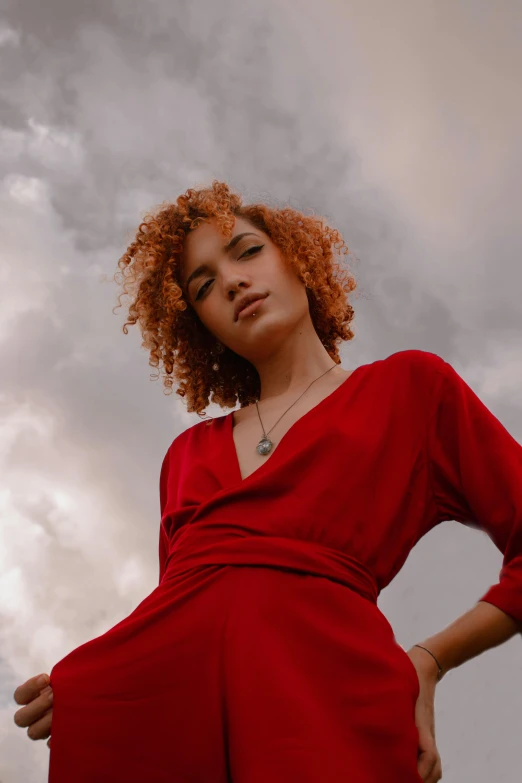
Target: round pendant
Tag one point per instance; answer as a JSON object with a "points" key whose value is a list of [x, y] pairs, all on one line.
{"points": [[264, 446]]}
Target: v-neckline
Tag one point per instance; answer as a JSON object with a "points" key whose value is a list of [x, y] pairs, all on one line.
{"points": [[240, 481]]}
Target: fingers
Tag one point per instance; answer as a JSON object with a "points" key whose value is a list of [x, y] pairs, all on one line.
{"points": [[41, 729], [35, 710], [30, 689], [436, 773], [429, 767]]}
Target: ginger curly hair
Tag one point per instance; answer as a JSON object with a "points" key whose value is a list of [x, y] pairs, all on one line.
{"points": [[171, 330]]}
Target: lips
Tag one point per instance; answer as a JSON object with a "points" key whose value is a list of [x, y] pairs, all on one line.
{"points": [[247, 301]]}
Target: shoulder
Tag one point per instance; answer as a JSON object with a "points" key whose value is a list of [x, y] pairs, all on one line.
{"points": [[416, 358], [193, 436], [186, 438], [416, 363], [420, 373]]}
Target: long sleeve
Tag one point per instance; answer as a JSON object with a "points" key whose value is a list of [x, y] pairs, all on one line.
{"points": [[476, 477], [163, 539]]}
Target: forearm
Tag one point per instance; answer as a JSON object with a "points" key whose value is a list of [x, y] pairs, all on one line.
{"points": [[481, 628]]}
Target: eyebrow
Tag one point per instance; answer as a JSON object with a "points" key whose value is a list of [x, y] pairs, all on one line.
{"points": [[202, 268]]}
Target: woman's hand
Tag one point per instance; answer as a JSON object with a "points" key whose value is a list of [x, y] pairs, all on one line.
{"points": [[38, 712], [429, 763]]}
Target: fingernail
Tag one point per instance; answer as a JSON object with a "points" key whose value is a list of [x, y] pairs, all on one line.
{"points": [[46, 690], [50, 696], [43, 679]]}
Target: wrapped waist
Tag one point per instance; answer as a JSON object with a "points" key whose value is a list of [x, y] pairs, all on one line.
{"points": [[197, 547]]}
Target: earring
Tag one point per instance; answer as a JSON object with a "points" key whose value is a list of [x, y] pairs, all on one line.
{"points": [[218, 348]]}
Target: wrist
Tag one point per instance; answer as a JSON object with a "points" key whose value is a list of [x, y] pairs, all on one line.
{"points": [[426, 662]]}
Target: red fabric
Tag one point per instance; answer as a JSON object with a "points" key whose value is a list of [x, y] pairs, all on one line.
{"points": [[262, 654]]}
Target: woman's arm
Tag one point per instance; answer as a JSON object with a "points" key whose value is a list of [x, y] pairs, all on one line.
{"points": [[475, 468], [481, 628]]}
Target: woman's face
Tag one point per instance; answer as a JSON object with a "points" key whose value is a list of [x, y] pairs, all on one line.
{"points": [[215, 278]]}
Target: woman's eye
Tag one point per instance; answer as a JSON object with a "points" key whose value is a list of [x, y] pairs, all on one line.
{"points": [[247, 252], [257, 247], [202, 289]]}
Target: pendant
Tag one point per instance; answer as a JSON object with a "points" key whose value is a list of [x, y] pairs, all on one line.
{"points": [[264, 446]]}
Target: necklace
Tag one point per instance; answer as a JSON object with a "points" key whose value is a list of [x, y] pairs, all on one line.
{"points": [[265, 445]]}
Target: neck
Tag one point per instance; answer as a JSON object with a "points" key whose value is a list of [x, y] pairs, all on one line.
{"points": [[291, 369]]}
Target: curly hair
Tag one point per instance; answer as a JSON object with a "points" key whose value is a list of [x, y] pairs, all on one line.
{"points": [[151, 271]]}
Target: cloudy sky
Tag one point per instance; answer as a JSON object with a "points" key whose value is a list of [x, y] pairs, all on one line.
{"points": [[401, 124]]}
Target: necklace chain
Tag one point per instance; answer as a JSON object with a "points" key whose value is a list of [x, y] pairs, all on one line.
{"points": [[265, 445]]}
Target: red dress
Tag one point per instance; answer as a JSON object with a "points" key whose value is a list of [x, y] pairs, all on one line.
{"points": [[262, 657]]}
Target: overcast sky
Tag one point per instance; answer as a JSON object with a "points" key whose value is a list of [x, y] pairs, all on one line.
{"points": [[401, 124]]}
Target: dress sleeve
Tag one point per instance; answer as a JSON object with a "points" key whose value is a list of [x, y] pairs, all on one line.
{"points": [[476, 476], [163, 539]]}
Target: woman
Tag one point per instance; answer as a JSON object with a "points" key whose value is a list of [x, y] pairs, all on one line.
{"points": [[262, 654]]}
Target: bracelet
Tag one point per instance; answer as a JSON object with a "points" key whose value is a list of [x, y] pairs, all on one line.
{"points": [[439, 675]]}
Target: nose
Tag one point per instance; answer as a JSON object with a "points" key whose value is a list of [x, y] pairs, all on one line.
{"points": [[237, 286]]}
